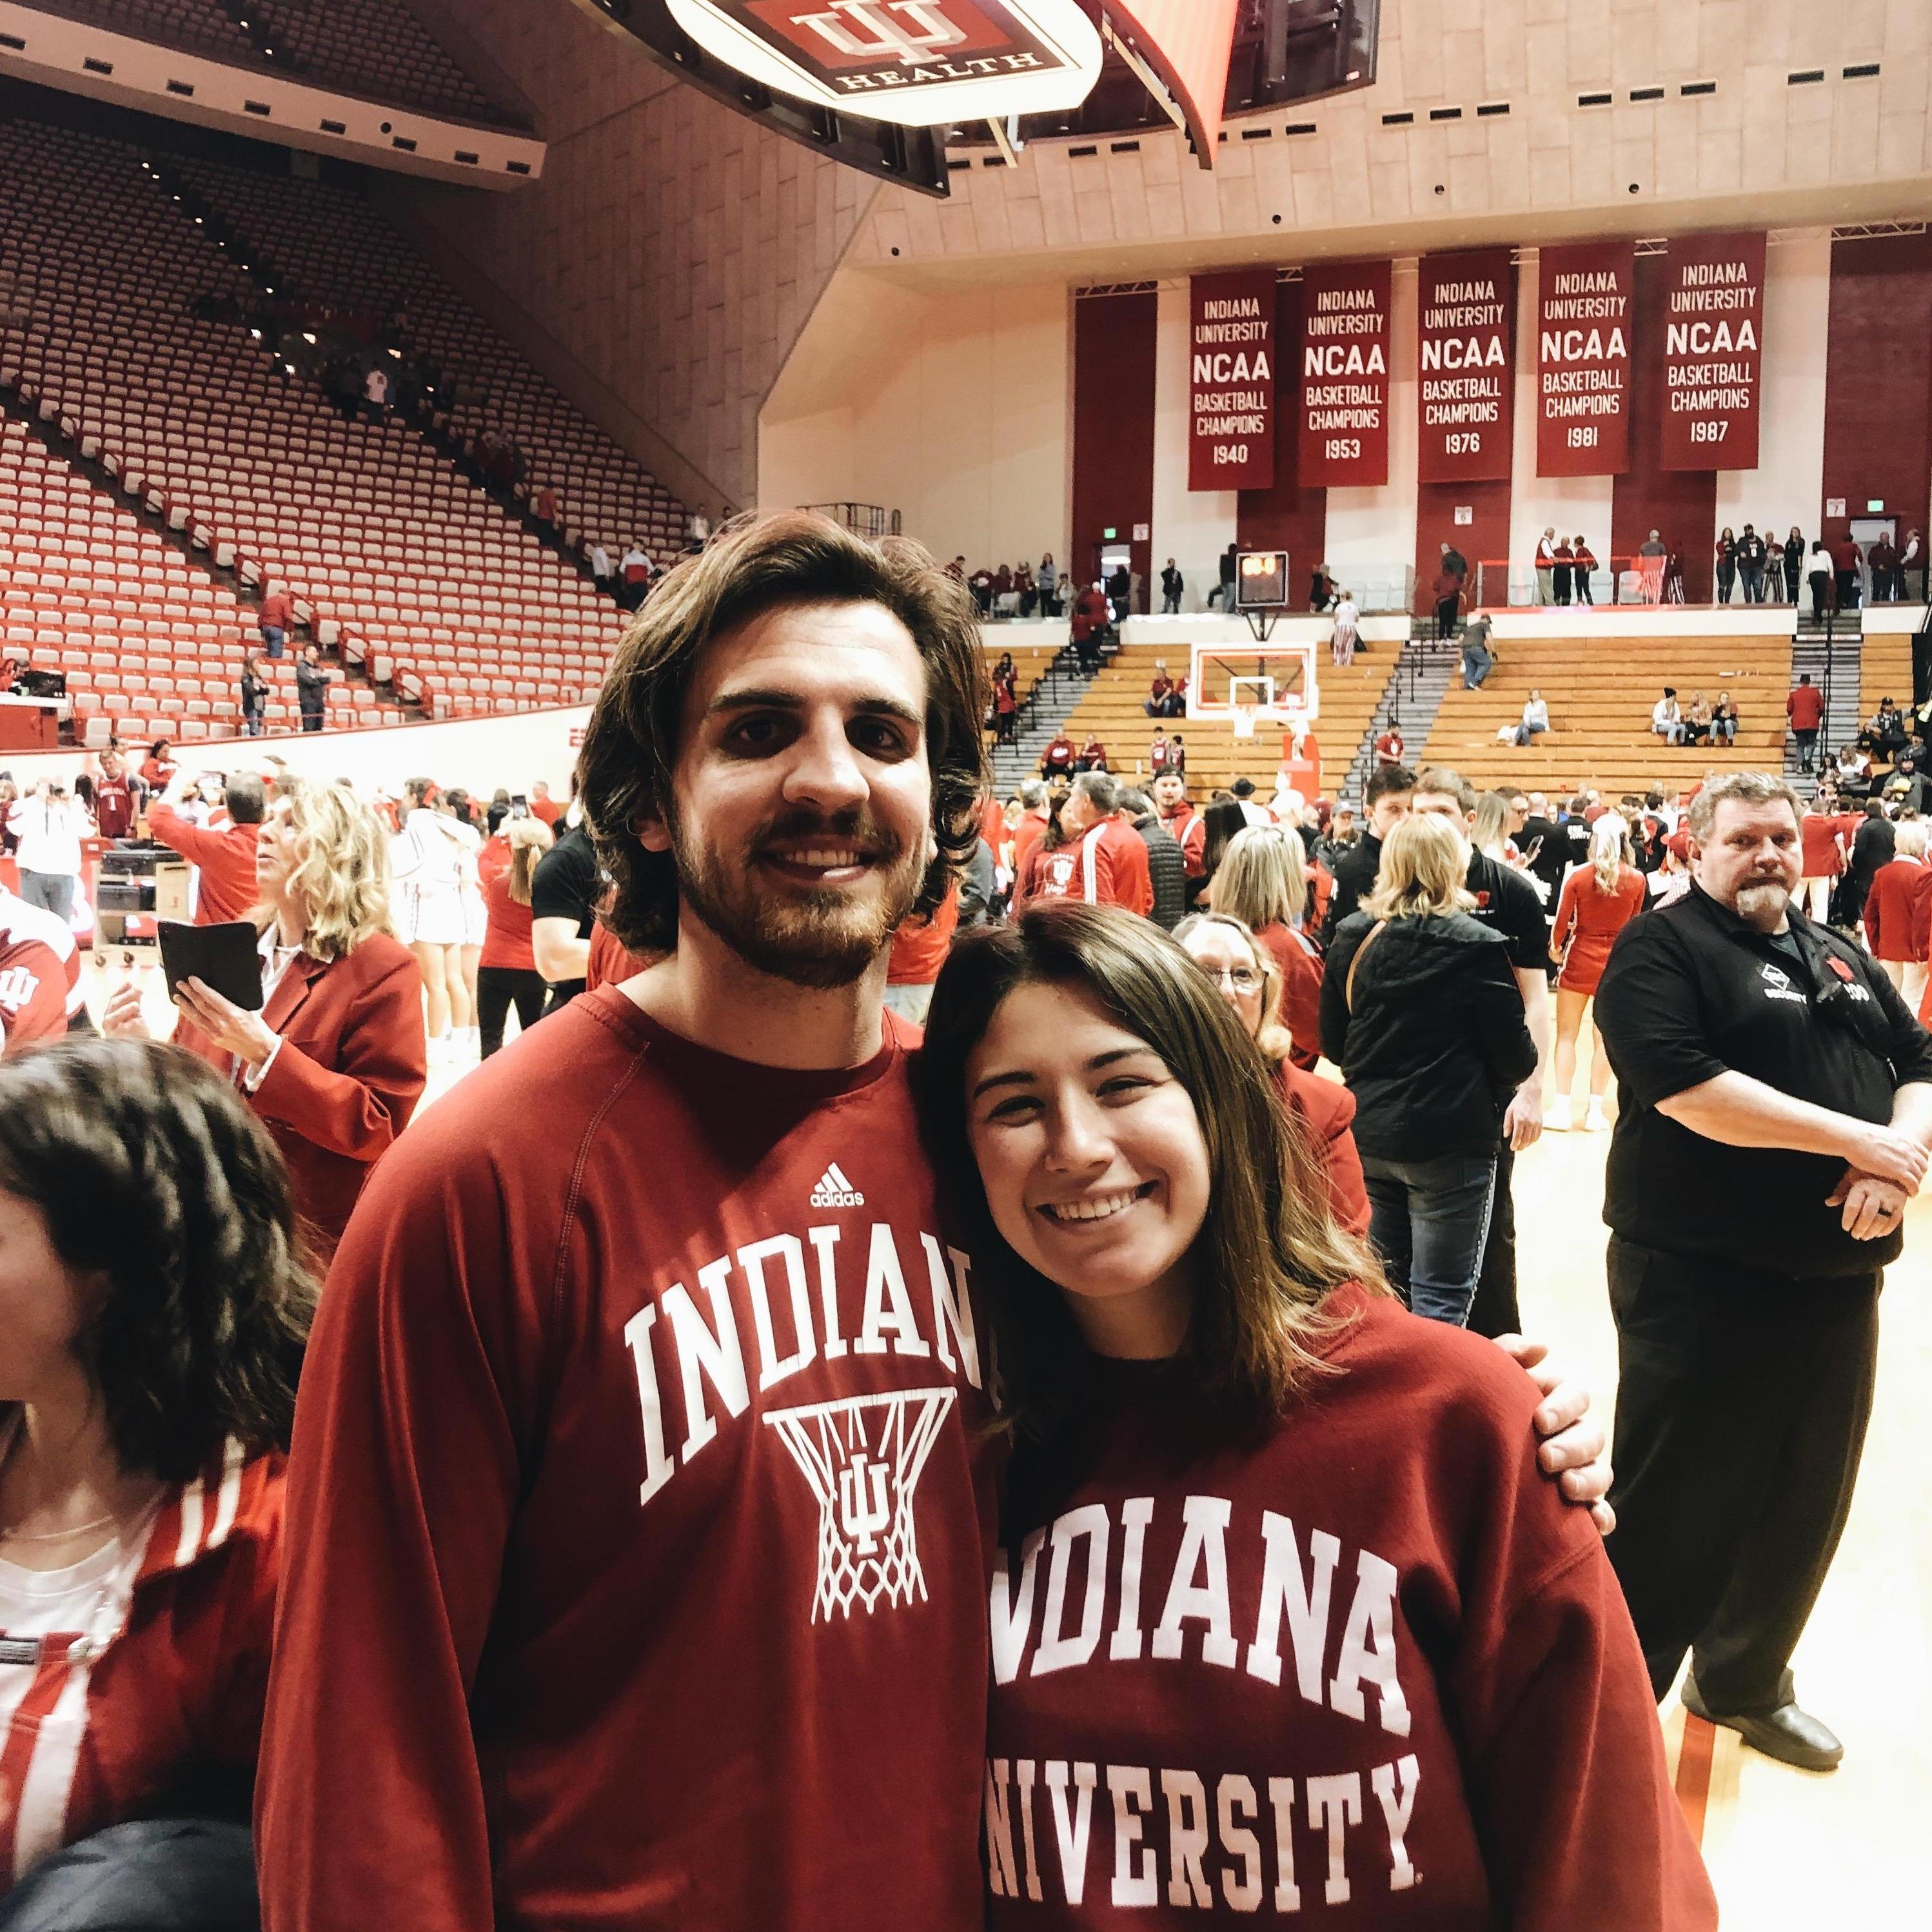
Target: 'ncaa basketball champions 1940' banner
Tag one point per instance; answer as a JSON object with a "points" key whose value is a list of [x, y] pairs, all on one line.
{"points": [[1231, 355], [1465, 389], [1583, 358], [1713, 352], [1343, 392]]}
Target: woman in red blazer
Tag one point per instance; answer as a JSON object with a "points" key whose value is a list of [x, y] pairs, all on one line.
{"points": [[336, 1060], [1225, 949]]}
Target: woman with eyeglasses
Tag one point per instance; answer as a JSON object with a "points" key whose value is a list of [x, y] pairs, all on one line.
{"points": [[1231, 956], [1284, 1620]]}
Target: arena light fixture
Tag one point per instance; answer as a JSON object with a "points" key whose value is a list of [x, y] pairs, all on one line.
{"points": [[914, 63]]}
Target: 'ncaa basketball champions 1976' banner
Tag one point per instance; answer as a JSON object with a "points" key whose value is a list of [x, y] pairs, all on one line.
{"points": [[1713, 352], [1465, 391], [1343, 394], [1583, 358], [1231, 355]]}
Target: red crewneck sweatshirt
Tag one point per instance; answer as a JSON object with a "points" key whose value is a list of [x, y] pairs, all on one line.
{"points": [[637, 1526], [1366, 1670]]}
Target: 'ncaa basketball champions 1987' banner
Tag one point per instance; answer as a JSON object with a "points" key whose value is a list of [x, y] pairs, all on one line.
{"points": [[1465, 389], [1231, 354], [1583, 358], [1713, 352], [1343, 394]]}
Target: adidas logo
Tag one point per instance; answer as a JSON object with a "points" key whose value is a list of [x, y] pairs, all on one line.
{"points": [[834, 1190]]}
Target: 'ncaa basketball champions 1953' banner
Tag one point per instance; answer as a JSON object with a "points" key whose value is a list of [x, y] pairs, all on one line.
{"points": [[1231, 354], [1344, 384], [1583, 358], [1713, 352], [1465, 389]]}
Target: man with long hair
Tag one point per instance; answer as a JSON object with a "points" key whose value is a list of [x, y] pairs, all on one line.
{"points": [[639, 1526]]}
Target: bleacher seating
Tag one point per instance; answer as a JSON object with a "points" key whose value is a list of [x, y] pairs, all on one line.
{"points": [[1884, 671], [1600, 691], [146, 641], [382, 542], [1111, 709], [375, 49], [329, 247]]}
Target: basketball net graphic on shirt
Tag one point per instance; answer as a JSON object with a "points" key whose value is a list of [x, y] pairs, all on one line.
{"points": [[862, 1457]]}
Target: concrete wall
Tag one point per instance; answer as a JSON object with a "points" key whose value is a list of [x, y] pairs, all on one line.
{"points": [[662, 269]]}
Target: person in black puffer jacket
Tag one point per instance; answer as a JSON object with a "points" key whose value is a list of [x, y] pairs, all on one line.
{"points": [[1421, 1010], [1167, 866]]}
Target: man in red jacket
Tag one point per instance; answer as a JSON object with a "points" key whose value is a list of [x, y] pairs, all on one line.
{"points": [[638, 1518], [1804, 707], [1113, 869], [226, 858], [277, 617]]}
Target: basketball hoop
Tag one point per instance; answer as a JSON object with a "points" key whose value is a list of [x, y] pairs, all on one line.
{"points": [[862, 1457], [1244, 716]]}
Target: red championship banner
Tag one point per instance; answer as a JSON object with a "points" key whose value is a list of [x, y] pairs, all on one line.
{"points": [[1232, 353], [1344, 389], [1713, 352], [1583, 359], [1465, 322]]}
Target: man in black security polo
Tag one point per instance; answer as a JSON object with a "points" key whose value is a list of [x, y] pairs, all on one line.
{"points": [[1775, 1107], [1508, 903]]}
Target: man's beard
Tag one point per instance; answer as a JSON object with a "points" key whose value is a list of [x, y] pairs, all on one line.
{"points": [[819, 940], [1762, 904]]}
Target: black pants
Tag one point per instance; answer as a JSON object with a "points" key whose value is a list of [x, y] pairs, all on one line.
{"points": [[1445, 615], [496, 987], [1494, 1311], [1741, 1406], [1848, 590], [1808, 749], [311, 721], [162, 1875], [1727, 580]]}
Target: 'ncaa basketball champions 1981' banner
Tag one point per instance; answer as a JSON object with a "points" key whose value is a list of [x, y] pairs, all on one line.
{"points": [[1583, 358], [1231, 354], [1343, 393], [1713, 352], [1465, 390]]}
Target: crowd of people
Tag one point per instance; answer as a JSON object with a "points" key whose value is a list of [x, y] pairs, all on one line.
{"points": [[521, 1511]]}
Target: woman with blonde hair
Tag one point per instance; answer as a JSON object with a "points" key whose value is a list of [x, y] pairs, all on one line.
{"points": [[334, 1060], [1262, 881], [508, 974], [1231, 955], [1599, 899], [1421, 1010]]}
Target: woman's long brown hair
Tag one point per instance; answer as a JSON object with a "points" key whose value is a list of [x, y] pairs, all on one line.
{"points": [[1268, 1254]]}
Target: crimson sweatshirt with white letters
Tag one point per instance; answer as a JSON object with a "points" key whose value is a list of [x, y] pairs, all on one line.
{"points": [[1365, 1669], [637, 1526]]}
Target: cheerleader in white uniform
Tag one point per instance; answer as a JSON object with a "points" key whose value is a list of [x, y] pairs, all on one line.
{"points": [[462, 811], [426, 858]]}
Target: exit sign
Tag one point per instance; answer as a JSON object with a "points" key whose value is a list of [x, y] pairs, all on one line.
{"points": [[1874, 505]]}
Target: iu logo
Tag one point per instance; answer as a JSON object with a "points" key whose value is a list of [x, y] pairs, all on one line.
{"points": [[917, 62], [862, 1458], [17, 986], [906, 30]]}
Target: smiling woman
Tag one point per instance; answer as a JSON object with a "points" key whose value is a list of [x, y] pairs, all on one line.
{"points": [[1224, 1423]]}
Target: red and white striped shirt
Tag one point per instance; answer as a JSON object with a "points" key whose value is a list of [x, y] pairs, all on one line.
{"points": [[162, 1691]]}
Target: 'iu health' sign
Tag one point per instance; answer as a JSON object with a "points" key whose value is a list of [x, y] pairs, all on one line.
{"points": [[919, 63]]}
